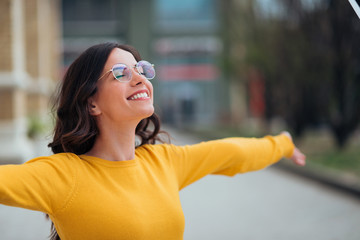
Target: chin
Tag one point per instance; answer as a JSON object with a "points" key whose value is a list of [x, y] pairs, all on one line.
{"points": [[151, 112], [148, 112]]}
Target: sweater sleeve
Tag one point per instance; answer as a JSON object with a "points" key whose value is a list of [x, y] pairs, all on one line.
{"points": [[42, 184], [227, 156]]}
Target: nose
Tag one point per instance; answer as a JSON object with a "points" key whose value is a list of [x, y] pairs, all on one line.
{"points": [[137, 78]]}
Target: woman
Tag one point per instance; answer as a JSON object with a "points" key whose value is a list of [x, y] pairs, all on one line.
{"points": [[99, 184]]}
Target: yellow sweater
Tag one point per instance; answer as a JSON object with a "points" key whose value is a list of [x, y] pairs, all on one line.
{"points": [[92, 198]]}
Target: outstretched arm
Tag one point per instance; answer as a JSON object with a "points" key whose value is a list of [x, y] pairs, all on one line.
{"points": [[228, 156], [41, 184]]}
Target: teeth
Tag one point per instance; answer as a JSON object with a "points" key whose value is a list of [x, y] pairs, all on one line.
{"points": [[139, 95]]}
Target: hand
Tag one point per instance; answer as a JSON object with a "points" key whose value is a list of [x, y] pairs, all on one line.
{"points": [[298, 157]]}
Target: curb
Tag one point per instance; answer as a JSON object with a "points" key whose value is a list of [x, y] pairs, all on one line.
{"points": [[339, 181]]}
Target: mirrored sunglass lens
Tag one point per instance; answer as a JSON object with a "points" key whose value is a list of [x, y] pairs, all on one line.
{"points": [[146, 69], [121, 72]]}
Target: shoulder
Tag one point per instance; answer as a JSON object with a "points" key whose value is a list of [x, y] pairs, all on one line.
{"points": [[58, 157]]}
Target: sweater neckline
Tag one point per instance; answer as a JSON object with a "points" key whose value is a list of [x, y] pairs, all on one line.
{"points": [[109, 163]]}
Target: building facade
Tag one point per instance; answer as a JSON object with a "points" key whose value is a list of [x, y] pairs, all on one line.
{"points": [[29, 63]]}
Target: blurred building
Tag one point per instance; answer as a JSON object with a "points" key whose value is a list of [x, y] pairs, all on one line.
{"points": [[187, 48], [180, 38], [29, 63], [86, 23]]}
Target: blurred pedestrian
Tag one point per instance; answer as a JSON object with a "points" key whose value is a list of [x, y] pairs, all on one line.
{"points": [[107, 178]]}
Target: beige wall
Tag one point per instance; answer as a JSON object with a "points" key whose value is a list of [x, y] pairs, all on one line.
{"points": [[5, 37], [29, 67], [7, 102], [31, 37]]}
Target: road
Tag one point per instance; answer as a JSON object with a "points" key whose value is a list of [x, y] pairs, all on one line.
{"points": [[268, 204]]}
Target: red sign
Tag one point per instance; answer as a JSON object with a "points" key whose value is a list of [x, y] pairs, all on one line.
{"points": [[195, 72]]}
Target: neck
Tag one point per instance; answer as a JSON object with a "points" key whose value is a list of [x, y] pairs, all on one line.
{"points": [[115, 143]]}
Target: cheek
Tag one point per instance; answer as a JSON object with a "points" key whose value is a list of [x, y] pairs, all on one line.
{"points": [[150, 87], [111, 95]]}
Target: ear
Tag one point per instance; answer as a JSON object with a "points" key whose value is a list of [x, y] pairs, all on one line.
{"points": [[94, 109]]}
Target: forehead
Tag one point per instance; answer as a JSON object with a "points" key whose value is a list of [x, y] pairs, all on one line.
{"points": [[118, 55]]}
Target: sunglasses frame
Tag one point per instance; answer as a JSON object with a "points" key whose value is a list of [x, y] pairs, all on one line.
{"points": [[136, 67]]}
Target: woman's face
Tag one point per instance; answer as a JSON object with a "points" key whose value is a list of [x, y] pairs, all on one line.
{"points": [[120, 102]]}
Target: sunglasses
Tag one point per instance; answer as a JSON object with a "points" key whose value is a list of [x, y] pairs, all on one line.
{"points": [[123, 73]]}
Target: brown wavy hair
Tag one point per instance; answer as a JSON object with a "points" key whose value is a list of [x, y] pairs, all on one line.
{"points": [[75, 129]]}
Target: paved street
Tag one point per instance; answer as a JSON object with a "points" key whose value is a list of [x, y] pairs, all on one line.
{"points": [[269, 204], [21, 224], [266, 205]]}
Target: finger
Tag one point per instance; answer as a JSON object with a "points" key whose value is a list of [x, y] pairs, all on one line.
{"points": [[300, 161], [298, 157]]}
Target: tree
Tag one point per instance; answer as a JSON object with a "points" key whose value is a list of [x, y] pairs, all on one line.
{"points": [[344, 111], [309, 56]]}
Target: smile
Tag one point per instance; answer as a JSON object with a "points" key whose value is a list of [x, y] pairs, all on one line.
{"points": [[139, 96]]}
